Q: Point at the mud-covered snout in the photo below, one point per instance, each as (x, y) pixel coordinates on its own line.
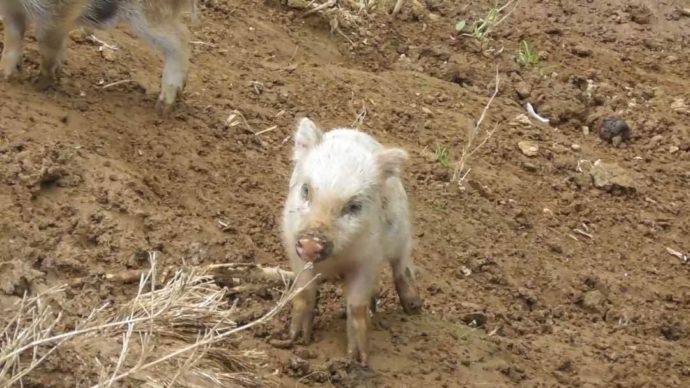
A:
(313, 246)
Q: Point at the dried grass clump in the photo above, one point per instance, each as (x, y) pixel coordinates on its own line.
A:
(32, 323)
(175, 334)
(350, 15)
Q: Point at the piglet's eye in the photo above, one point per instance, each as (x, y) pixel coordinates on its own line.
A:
(305, 192)
(352, 208)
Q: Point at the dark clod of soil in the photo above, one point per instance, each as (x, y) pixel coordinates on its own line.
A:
(613, 129)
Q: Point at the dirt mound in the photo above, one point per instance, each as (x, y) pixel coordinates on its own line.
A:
(548, 266)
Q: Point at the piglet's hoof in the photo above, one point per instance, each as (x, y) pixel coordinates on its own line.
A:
(44, 83)
(163, 109)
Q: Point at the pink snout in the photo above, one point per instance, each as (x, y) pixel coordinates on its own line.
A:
(313, 248)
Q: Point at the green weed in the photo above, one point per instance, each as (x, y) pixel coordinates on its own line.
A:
(442, 156)
(480, 28)
(527, 54)
(440, 204)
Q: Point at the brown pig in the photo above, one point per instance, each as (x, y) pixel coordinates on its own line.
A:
(156, 21)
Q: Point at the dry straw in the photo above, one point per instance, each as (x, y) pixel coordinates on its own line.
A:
(349, 14)
(188, 320)
(474, 135)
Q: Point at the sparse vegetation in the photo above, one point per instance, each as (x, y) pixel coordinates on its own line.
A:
(442, 156)
(481, 28)
(527, 55)
(461, 169)
(440, 204)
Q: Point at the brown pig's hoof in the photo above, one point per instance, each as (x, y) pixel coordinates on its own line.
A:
(412, 306)
(282, 344)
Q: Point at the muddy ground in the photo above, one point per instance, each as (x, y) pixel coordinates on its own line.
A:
(539, 270)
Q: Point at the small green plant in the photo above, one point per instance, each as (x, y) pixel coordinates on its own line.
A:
(527, 54)
(480, 28)
(440, 204)
(441, 155)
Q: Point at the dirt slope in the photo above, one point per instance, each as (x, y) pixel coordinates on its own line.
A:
(91, 180)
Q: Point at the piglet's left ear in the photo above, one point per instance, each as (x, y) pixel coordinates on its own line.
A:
(391, 161)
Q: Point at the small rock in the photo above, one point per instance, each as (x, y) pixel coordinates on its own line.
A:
(592, 281)
(617, 140)
(592, 300)
(613, 126)
(515, 373)
(640, 14)
(558, 148)
(565, 366)
(585, 130)
(575, 147)
(671, 332)
(108, 54)
(418, 10)
(305, 354)
(612, 178)
(584, 166)
(523, 90)
(679, 105)
(298, 4)
(434, 17)
(685, 12)
(384, 325)
(298, 367)
(655, 140)
(529, 167)
(283, 97)
(79, 35)
(555, 247)
(521, 119)
(673, 149)
(582, 51)
(529, 148)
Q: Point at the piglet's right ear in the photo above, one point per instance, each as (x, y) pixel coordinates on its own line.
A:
(307, 136)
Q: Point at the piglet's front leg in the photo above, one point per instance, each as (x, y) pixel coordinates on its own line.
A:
(357, 333)
(359, 290)
(302, 320)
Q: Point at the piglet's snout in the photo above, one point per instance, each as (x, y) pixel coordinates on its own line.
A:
(313, 249)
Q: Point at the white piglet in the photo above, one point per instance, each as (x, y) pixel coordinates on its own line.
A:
(347, 213)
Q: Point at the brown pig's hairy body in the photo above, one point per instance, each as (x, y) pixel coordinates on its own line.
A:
(156, 21)
(347, 213)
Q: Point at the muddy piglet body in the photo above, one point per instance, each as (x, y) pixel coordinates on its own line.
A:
(347, 213)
